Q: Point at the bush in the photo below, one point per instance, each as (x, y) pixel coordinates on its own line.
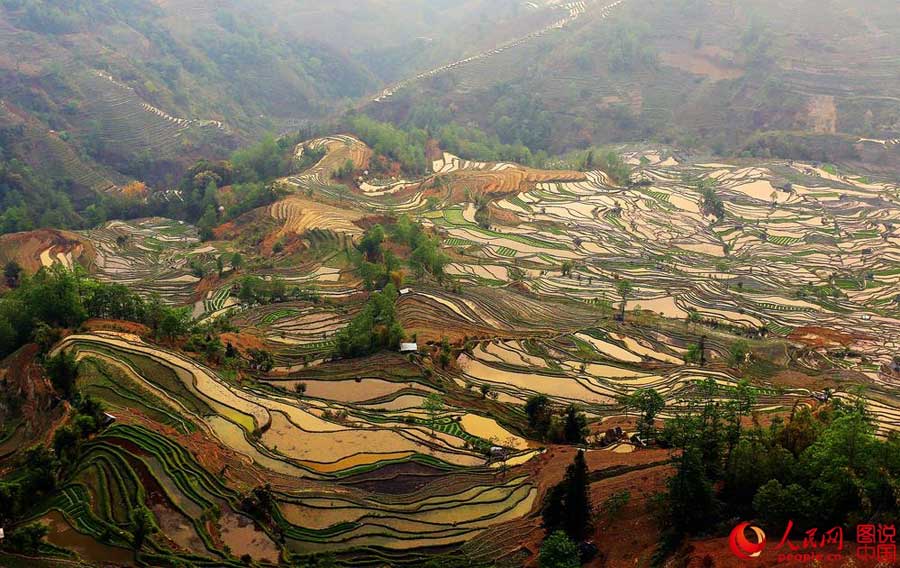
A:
(558, 551)
(27, 539)
(375, 328)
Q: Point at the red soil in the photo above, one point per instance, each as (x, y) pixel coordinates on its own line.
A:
(116, 325)
(820, 337)
(243, 342)
(503, 217)
(23, 378)
(631, 536)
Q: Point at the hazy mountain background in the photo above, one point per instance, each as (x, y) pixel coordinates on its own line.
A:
(95, 93)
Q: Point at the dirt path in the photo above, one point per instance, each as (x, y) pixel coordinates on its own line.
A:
(575, 11)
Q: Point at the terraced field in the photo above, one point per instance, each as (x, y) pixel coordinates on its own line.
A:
(346, 430)
(802, 264)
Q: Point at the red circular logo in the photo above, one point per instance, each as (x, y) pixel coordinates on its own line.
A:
(741, 545)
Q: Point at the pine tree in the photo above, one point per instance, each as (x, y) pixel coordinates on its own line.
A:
(576, 425)
(567, 506)
(578, 520)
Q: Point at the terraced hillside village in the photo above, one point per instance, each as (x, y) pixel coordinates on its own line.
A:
(380, 367)
(455, 284)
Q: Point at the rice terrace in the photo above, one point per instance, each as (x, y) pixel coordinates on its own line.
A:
(372, 342)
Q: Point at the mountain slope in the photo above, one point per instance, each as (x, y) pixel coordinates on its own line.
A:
(699, 72)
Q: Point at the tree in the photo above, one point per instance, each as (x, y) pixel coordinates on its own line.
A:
(12, 272)
(66, 442)
(776, 504)
(433, 405)
(142, 526)
(539, 413)
(579, 521)
(45, 336)
(624, 288)
(370, 245)
(693, 353)
(11, 501)
(558, 551)
(737, 353)
(567, 506)
(575, 428)
(55, 296)
(8, 337)
(691, 500)
(207, 223)
(27, 538)
(236, 261)
(626, 401)
(63, 371)
(175, 322)
(346, 170)
(261, 359)
(40, 470)
(649, 403)
(711, 203)
(374, 328)
(427, 257)
(261, 162)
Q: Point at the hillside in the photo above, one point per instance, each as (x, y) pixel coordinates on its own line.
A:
(263, 413)
(804, 80)
(136, 85)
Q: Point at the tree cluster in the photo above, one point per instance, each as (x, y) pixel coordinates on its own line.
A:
(822, 467)
(405, 146)
(710, 201)
(58, 298)
(376, 327)
(568, 426)
(378, 266)
(605, 160)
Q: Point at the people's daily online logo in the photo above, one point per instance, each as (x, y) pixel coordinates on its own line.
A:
(873, 542)
(742, 546)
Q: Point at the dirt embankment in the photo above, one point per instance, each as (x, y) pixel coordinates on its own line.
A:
(121, 326)
(33, 249)
(630, 538)
(820, 337)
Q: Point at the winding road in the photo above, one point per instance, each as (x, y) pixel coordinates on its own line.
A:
(575, 10)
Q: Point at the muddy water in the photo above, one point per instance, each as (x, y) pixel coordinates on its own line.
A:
(636, 347)
(489, 430)
(665, 306)
(233, 437)
(242, 536)
(63, 535)
(348, 391)
(563, 387)
(610, 349)
(178, 528)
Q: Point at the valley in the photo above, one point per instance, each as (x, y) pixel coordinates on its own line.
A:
(562, 283)
(448, 284)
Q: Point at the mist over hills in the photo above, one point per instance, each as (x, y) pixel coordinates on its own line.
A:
(448, 284)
